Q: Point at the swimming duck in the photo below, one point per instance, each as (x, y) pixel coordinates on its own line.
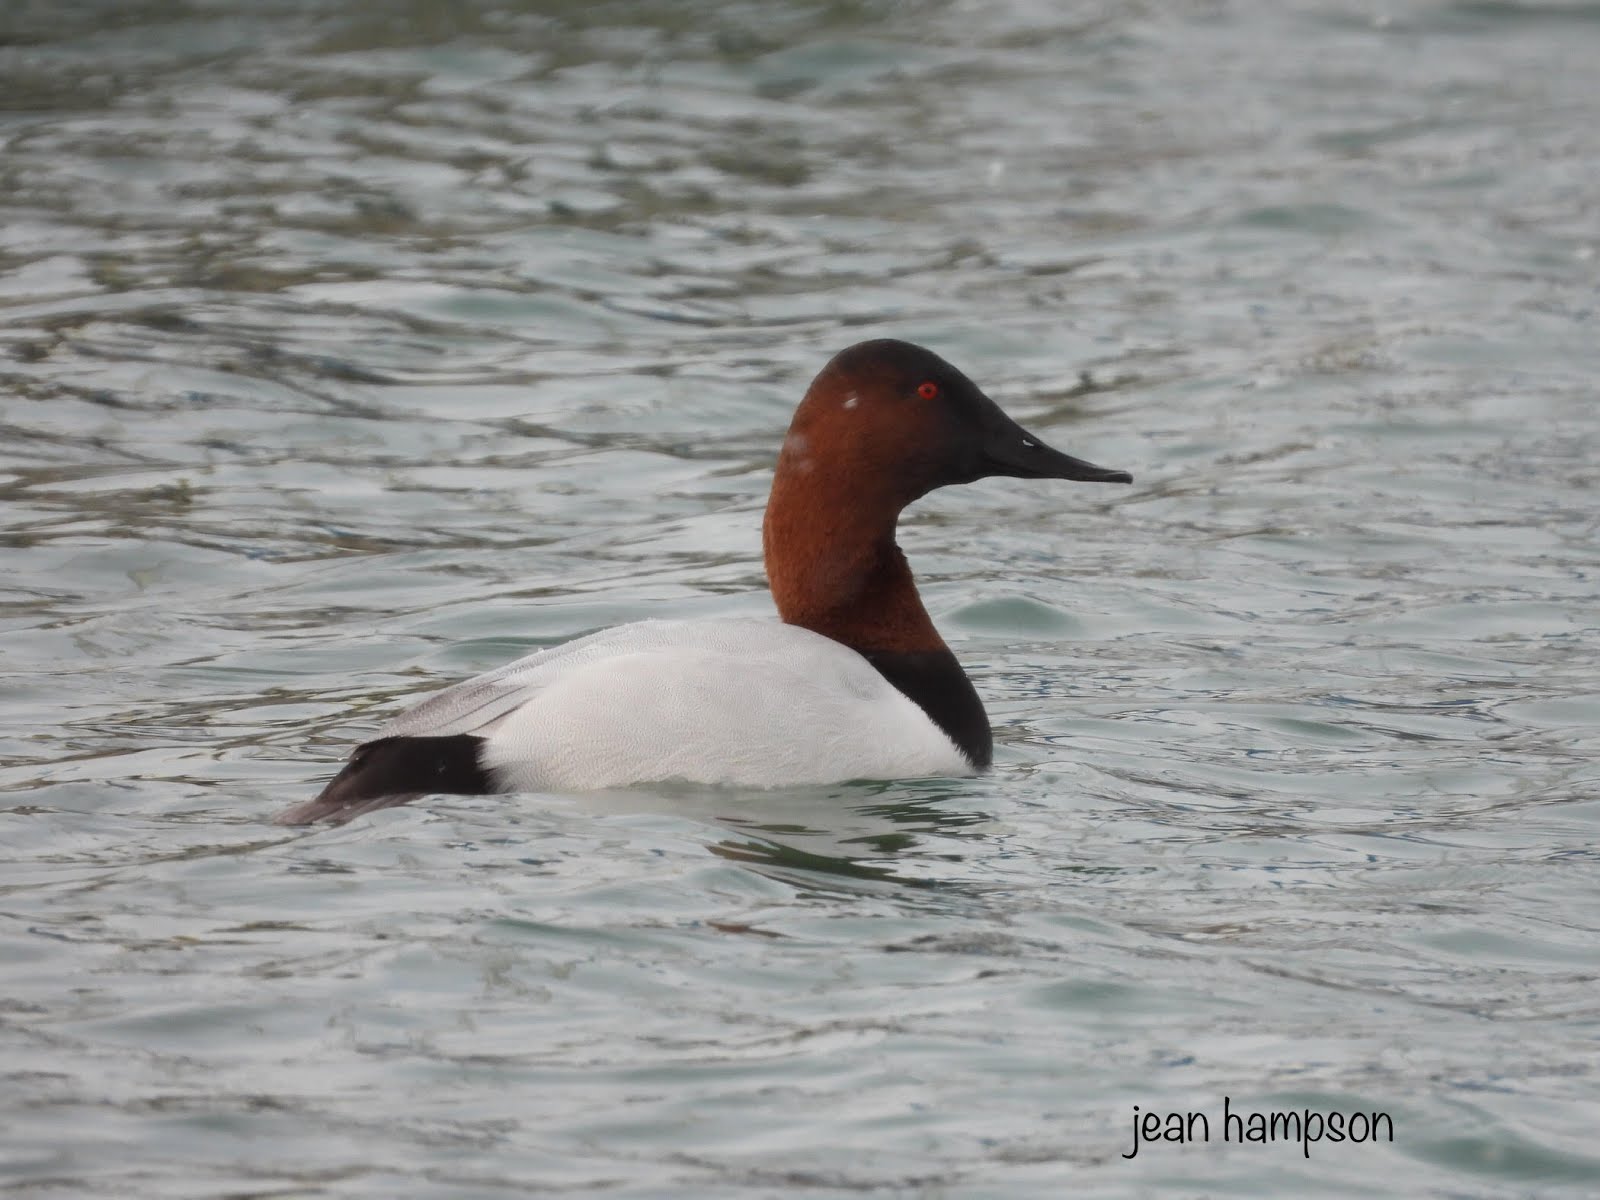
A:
(854, 681)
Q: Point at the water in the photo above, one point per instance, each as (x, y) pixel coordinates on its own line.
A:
(346, 350)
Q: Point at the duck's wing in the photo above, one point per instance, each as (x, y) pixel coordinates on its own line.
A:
(434, 746)
(475, 705)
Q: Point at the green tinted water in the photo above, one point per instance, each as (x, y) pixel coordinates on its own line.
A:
(346, 351)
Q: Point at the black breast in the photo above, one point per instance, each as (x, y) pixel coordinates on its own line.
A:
(938, 685)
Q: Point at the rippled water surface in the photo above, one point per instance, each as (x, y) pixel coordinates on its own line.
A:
(346, 349)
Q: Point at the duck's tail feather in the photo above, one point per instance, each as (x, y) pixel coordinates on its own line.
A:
(392, 771)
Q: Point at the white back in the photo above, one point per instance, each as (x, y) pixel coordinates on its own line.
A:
(741, 701)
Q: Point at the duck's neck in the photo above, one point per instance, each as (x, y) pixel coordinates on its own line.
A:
(835, 569)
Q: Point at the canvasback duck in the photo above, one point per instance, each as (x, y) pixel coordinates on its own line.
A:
(854, 683)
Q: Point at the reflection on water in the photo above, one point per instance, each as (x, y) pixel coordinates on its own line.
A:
(348, 350)
(886, 842)
(910, 833)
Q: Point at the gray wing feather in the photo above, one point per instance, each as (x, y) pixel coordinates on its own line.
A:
(474, 704)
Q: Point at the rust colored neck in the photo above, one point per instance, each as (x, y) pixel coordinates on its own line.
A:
(833, 563)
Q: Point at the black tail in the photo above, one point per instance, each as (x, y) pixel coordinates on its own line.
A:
(392, 771)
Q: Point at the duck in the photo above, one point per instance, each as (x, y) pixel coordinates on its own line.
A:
(851, 682)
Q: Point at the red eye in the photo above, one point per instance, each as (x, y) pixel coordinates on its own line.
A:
(928, 390)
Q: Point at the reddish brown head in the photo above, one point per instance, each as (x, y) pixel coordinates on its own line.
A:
(883, 424)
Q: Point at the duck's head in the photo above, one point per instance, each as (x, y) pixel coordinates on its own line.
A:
(890, 422)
